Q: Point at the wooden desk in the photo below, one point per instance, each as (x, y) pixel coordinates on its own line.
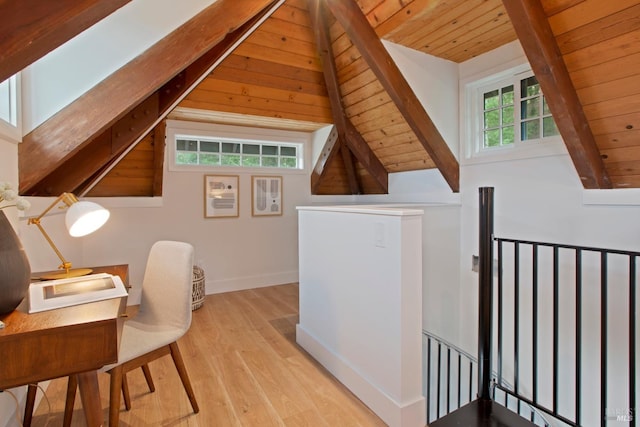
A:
(56, 343)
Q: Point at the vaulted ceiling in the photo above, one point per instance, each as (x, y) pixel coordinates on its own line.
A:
(307, 64)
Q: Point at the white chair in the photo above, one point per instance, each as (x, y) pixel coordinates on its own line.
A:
(163, 317)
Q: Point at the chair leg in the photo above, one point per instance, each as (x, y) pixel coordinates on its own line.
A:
(125, 392)
(114, 395)
(32, 389)
(184, 377)
(72, 386)
(147, 376)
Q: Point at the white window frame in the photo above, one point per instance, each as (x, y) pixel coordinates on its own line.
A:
(178, 129)
(472, 91)
(11, 126)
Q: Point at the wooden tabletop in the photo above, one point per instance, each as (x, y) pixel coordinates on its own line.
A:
(59, 342)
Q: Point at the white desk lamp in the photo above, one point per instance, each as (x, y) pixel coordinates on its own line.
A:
(82, 218)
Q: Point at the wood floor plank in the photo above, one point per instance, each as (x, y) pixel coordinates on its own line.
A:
(246, 370)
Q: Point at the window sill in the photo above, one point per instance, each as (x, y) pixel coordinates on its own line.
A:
(548, 148)
(612, 197)
(128, 202)
(226, 170)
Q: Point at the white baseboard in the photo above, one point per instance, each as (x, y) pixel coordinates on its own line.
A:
(216, 286)
(407, 414)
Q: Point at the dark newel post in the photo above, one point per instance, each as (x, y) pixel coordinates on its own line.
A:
(485, 299)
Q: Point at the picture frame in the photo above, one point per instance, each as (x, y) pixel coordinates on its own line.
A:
(52, 294)
(221, 196)
(266, 195)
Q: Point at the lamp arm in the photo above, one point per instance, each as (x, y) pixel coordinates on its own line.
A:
(67, 198)
(66, 265)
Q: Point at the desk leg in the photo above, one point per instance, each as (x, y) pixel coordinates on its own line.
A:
(90, 395)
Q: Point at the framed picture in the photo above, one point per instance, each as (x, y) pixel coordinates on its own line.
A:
(59, 293)
(266, 195)
(221, 196)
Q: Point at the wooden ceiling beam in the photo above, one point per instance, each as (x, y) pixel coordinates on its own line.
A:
(350, 168)
(346, 130)
(328, 153)
(71, 129)
(32, 28)
(364, 37)
(129, 130)
(536, 37)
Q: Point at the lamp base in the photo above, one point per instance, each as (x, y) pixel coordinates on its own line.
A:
(74, 272)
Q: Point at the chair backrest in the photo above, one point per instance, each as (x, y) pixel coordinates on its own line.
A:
(167, 285)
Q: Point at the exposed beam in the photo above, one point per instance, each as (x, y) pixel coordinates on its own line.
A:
(323, 44)
(539, 43)
(72, 128)
(350, 169)
(346, 131)
(131, 129)
(32, 28)
(159, 145)
(363, 36)
(328, 153)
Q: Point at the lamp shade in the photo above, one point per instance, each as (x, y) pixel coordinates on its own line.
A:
(85, 217)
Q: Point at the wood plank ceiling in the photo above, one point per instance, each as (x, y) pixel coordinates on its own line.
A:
(275, 78)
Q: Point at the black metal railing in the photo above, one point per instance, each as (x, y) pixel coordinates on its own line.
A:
(451, 381)
(561, 287)
(565, 328)
(451, 375)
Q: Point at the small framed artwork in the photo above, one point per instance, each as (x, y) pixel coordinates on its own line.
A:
(221, 196)
(266, 195)
(59, 293)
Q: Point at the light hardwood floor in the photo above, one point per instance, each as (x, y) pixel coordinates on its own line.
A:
(246, 370)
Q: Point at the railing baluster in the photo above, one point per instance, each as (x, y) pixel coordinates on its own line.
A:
(500, 283)
(470, 381)
(448, 378)
(459, 378)
(632, 339)
(556, 302)
(516, 315)
(603, 338)
(438, 383)
(578, 408)
(535, 322)
(428, 377)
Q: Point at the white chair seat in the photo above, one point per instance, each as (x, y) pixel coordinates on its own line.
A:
(140, 338)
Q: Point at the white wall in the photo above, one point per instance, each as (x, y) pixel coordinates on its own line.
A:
(434, 81)
(360, 304)
(235, 253)
(64, 74)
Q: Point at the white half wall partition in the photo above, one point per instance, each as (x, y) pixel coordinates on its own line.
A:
(360, 271)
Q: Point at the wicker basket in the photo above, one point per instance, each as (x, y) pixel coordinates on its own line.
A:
(197, 297)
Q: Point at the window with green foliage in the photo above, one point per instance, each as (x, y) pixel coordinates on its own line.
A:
(10, 120)
(498, 117)
(515, 111)
(222, 152)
